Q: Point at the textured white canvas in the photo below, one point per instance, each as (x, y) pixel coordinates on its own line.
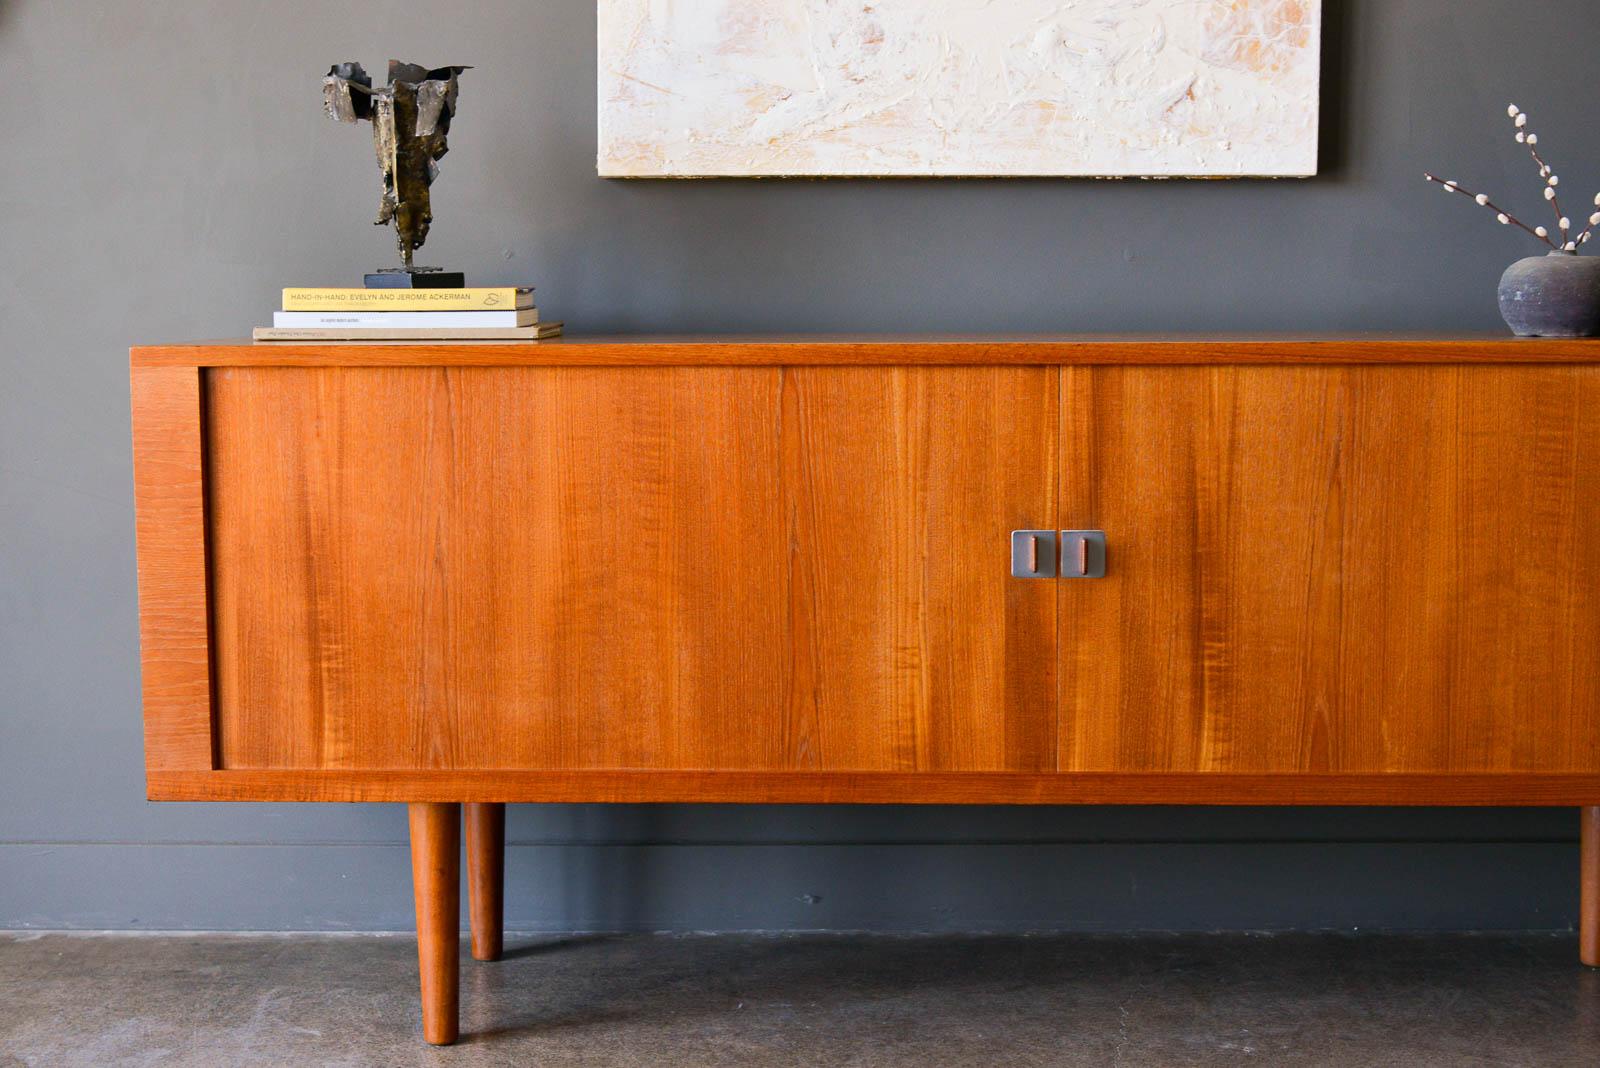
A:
(958, 87)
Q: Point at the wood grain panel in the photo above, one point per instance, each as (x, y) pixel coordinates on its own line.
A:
(887, 350)
(913, 646)
(429, 568)
(885, 787)
(170, 528)
(1386, 569)
(671, 568)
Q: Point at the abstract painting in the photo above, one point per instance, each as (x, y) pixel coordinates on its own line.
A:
(691, 88)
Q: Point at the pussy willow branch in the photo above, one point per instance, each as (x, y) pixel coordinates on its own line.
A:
(1454, 188)
(1567, 240)
(1588, 231)
(1546, 172)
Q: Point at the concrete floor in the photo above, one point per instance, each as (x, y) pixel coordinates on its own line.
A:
(235, 1000)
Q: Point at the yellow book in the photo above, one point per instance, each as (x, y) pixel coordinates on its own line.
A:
(333, 299)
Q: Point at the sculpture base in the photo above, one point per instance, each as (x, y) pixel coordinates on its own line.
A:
(415, 278)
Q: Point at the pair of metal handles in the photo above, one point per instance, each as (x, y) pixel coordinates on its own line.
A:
(1048, 554)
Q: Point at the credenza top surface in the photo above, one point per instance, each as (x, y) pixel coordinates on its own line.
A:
(884, 349)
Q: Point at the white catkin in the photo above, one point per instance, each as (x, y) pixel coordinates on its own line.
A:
(1541, 231)
(1505, 220)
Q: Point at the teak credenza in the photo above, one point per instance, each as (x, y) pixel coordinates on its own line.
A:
(1336, 571)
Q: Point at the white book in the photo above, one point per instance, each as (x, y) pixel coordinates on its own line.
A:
(371, 333)
(403, 320)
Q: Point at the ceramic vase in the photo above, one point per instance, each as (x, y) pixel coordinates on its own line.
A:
(1555, 295)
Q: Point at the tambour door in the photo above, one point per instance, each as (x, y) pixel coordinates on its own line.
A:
(914, 649)
(491, 568)
(1361, 569)
(654, 568)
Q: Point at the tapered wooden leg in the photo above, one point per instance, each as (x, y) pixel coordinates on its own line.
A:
(436, 882)
(486, 877)
(1589, 892)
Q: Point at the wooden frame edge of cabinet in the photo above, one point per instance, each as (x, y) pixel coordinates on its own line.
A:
(943, 788)
(881, 350)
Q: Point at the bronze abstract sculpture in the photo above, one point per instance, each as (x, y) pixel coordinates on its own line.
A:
(410, 120)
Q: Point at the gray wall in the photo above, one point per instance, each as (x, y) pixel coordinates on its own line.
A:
(166, 168)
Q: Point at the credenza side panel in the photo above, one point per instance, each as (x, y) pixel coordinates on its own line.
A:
(654, 568)
(170, 527)
(1342, 569)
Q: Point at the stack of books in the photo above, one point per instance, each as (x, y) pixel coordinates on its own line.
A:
(504, 313)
